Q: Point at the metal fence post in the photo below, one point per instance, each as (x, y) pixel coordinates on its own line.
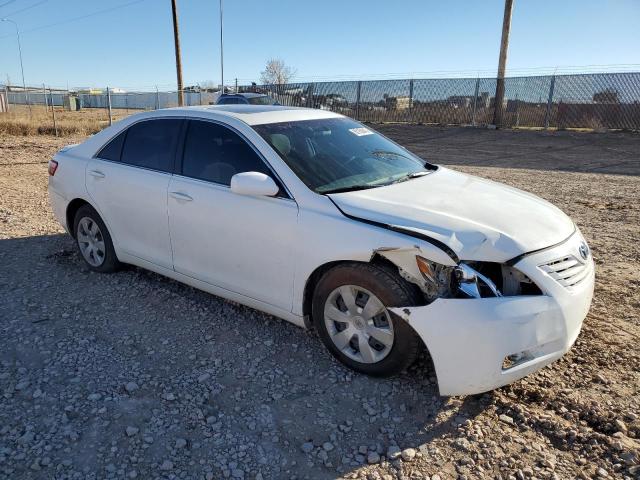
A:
(310, 90)
(6, 95)
(109, 104)
(547, 115)
(358, 89)
(411, 101)
(53, 112)
(475, 102)
(157, 99)
(44, 98)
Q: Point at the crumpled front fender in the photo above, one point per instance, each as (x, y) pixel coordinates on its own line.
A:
(469, 339)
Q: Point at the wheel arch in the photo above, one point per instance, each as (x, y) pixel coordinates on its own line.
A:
(377, 260)
(316, 275)
(72, 208)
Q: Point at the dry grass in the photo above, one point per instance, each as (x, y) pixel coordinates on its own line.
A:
(19, 121)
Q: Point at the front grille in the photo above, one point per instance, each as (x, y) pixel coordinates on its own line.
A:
(567, 271)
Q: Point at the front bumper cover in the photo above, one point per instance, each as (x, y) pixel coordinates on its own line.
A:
(469, 339)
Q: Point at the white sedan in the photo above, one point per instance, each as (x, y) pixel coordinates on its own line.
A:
(317, 219)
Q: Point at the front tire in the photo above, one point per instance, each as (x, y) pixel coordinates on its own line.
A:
(350, 314)
(94, 241)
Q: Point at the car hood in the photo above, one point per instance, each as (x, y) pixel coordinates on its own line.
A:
(477, 218)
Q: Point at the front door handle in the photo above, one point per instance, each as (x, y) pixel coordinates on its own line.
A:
(181, 196)
(96, 173)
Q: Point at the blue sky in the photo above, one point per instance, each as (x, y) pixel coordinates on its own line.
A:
(132, 46)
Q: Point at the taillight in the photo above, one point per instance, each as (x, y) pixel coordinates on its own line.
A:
(53, 166)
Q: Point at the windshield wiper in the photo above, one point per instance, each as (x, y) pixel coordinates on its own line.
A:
(409, 176)
(350, 188)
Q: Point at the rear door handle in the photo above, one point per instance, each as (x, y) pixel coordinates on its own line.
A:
(181, 196)
(96, 173)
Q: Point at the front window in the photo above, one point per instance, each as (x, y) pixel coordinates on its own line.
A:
(339, 154)
(263, 100)
(214, 153)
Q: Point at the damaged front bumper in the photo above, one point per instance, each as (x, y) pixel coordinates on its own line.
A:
(481, 344)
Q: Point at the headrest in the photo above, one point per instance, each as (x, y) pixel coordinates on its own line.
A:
(281, 142)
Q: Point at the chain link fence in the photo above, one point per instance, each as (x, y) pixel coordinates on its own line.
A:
(588, 101)
(102, 98)
(592, 101)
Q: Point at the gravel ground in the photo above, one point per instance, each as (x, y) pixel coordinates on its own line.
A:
(132, 375)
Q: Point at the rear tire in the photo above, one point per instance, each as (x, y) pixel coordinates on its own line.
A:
(350, 313)
(94, 241)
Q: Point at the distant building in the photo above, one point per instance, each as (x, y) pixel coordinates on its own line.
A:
(397, 103)
(90, 91)
(460, 101)
(466, 101)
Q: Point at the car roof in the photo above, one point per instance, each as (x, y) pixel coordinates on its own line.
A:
(245, 95)
(254, 114)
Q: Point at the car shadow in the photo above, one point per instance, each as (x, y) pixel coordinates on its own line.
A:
(221, 374)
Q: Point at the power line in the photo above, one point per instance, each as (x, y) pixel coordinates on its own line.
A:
(471, 73)
(81, 17)
(25, 8)
(7, 3)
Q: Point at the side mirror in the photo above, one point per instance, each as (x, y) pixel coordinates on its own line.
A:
(254, 183)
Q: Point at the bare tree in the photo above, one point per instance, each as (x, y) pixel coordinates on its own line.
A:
(276, 72)
(209, 86)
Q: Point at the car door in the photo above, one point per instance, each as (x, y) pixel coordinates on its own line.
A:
(128, 182)
(238, 242)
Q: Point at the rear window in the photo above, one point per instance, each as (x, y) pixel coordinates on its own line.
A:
(228, 101)
(263, 100)
(152, 144)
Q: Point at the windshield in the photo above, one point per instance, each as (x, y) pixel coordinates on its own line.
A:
(263, 100)
(339, 154)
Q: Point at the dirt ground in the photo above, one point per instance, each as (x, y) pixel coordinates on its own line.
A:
(132, 375)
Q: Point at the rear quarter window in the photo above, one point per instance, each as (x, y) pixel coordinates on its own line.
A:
(113, 149)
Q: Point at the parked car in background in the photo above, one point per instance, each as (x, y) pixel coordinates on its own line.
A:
(315, 218)
(245, 99)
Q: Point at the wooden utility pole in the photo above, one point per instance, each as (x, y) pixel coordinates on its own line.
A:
(221, 50)
(502, 63)
(176, 38)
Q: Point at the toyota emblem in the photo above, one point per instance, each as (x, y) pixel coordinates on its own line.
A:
(584, 250)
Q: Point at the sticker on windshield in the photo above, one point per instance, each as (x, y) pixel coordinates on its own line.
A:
(361, 131)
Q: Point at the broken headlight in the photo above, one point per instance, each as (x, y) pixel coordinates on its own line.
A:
(490, 279)
(437, 279)
(472, 280)
(474, 284)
